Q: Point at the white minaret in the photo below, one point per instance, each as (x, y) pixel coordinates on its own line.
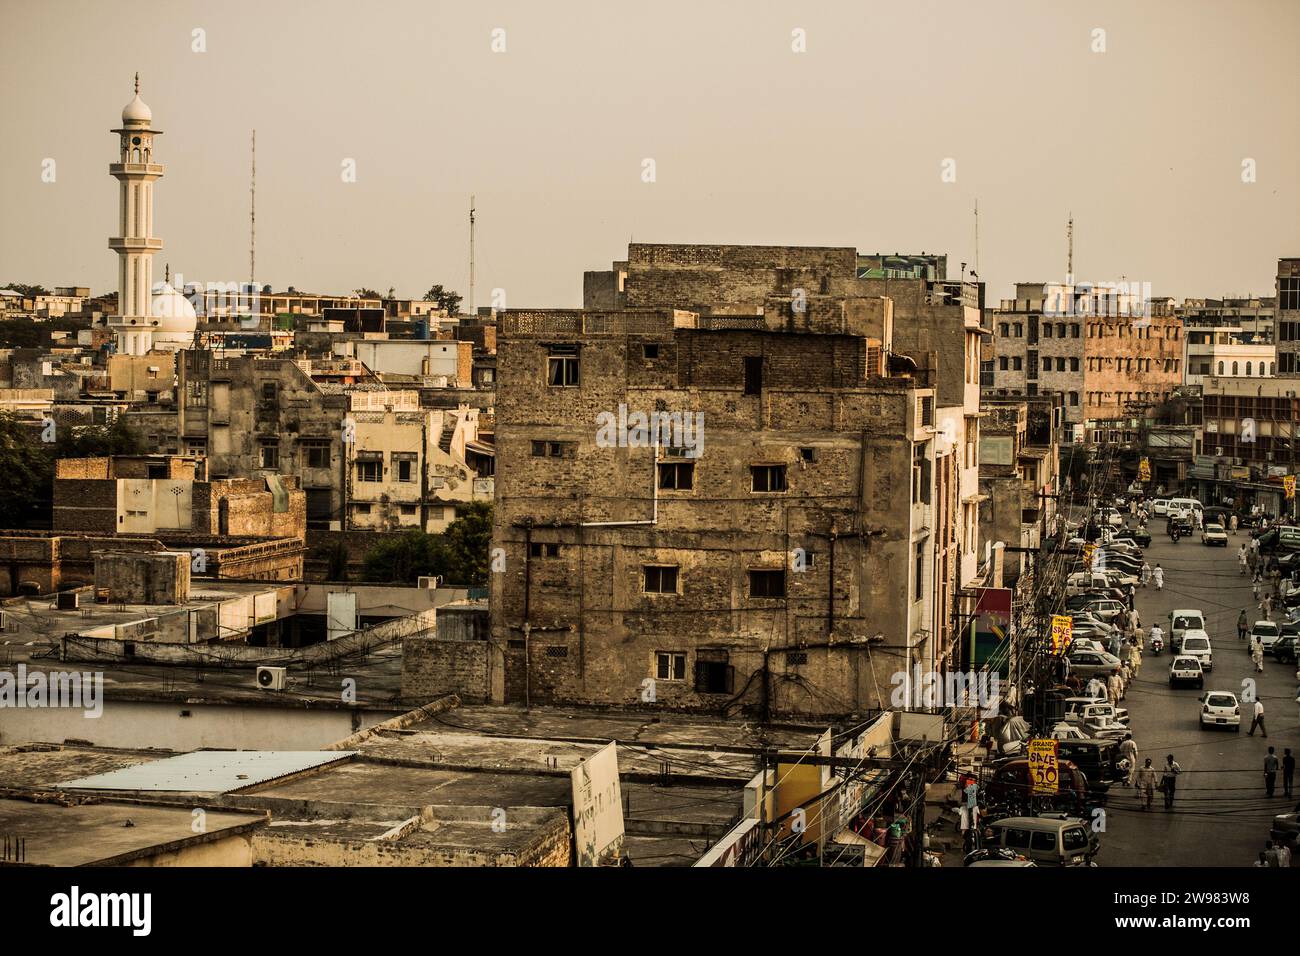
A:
(135, 244)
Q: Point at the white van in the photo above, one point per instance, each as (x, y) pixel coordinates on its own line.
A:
(1160, 506)
(1083, 581)
(1184, 507)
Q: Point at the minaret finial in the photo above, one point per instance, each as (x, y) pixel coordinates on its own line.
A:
(167, 273)
(137, 83)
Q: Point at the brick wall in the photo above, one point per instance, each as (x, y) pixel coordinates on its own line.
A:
(433, 667)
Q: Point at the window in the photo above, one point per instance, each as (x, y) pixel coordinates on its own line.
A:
(1234, 368)
(670, 665)
(1003, 363)
(1018, 363)
(1047, 330)
(659, 579)
(918, 570)
(650, 351)
(753, 374)
(370, 466)
(927, 410)
(764, 583)
(362, 509)
(543, 549)
(1288, 293)
(270, 454)
(807, 454)
(1248, 364)
(1074, 839)
(676, 476)
(1003, 329)
(767, 478)
(1074, 399)
(269, 391)
(1043, 840)
(316, 454)
(1074, 365)
(1074, 330)
(1220, 367)
(562, 366)
(1020, 329)
(408, 509)
(404, 463)
(553, 449)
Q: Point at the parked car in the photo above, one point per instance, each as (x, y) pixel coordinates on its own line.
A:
(1140, 537)
(1186, 670)
(1089, 664)
(1106, 608)
(1160, 507)
(996, 856)
(1196, 643)
(1010, 790)
(1048, 840)
(1214, 536)
(1267, 632)
(1219, 708)
(1087, 710)
(1098, 758)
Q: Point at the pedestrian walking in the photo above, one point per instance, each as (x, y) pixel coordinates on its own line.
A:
(1169, 780)
(1258, 721)
(1232, 524)
(1270, 772)
(1146, 784)
(1115, 685)
(1158, 574)
(1267, 607)
(1243, 561)
(1257, 655)
(1243, 625)
(1288, 772)
(1254, 589)
(1128, 750)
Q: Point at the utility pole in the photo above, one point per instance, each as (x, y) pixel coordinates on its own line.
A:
(1069, 252)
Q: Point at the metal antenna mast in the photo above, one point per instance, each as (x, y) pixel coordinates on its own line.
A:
(1069, 250)
(252, 219)
(472, 309)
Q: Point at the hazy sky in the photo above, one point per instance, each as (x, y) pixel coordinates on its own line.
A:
(752, 142)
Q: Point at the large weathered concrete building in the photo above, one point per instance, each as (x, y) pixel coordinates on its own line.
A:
(1102, 350)
(774, 552)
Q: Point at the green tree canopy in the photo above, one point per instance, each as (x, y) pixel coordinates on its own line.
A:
(459, 555)
(446, 299)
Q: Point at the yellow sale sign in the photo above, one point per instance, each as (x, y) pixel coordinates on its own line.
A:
(1062, 633)
(1289, 484)
(1044, 773)
(1144, 470)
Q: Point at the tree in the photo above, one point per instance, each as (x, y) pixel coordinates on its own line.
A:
(26, 475)
(459, 555)
(98, 441)
(25, 290)
(364, 293)
(446, 299)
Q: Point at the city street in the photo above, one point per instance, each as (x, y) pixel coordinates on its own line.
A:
(1221, 815)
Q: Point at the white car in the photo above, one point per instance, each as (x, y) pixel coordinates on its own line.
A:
(1266, 632)
(1219, 708)
(1196, 643)
(1064, 731)
(1100, 706)
(1184, 619)
(1214, 536)
(1186, 670)
(1160, 506)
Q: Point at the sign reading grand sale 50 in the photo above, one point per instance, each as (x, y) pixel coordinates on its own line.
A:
(1043, 770)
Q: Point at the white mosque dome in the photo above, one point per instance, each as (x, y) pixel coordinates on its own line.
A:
(136, 113)
(172, 312)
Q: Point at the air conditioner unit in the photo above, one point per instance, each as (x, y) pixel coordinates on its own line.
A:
(429, 582)
(272, 678)
(1218, 451)
(336, 525)
(68, 600)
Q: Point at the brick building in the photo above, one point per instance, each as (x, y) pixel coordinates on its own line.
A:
(1101, 350)
(780, 559)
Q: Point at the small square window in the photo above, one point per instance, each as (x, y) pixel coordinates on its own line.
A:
(676, 476)
(543, 549)
(659, 579)
(670, 666)
(650, 351)
(766, 583)
(807, 454)
(767, 478)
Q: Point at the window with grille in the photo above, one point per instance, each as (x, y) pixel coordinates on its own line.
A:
(404, 463)
(270, 454)
(543, 549)
(316, 454)
(557, 650)
(370, 468)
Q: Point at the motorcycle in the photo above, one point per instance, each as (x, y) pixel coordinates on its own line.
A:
(1173, 535)
(1157, 644)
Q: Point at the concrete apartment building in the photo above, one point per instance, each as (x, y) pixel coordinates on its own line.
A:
(1288, 317)
(1093, 346)
(930, 315)
(1228, 337)
(780, 560)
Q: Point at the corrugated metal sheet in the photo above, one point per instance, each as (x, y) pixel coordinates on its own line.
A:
(211, 771)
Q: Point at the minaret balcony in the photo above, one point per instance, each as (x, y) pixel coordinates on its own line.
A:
(123, 170)
(134, 244)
